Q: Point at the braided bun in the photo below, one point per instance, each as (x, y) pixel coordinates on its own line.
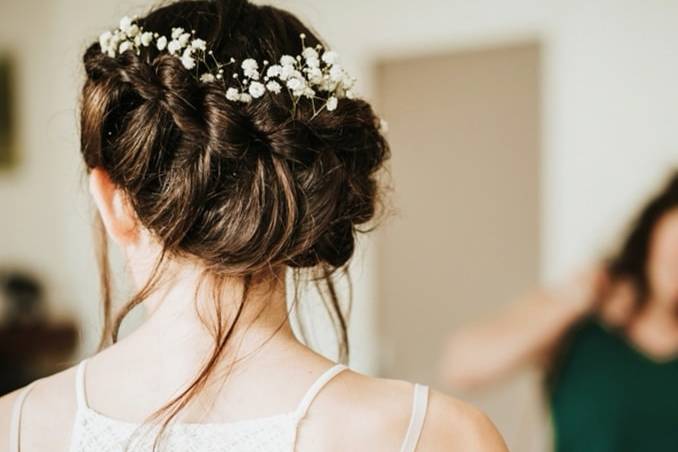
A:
(242, 187)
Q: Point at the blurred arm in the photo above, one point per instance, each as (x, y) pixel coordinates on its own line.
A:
(524, 334)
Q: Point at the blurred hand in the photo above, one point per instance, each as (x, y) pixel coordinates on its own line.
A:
(584, 290)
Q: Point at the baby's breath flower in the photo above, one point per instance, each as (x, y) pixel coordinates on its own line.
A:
(173, 47)
(124, 46)
(105, 40)
(332, 103)
(125, 24)
(304, 75)
(313, 62)
(133, 31)
(288, 72)
(287, 60)
(250, 68)
(308, 92)
(273, 71)
(336, 73)
(199, 44)
(187, 59)
(232, 94)
(315, 76)
(146, 38)
(161, 43)
(249, 64)
(330, 57)
(183, 39)
(309, 53)
(257, 90)
(274, 87)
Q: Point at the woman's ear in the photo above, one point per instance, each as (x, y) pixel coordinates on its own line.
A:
(116, 212)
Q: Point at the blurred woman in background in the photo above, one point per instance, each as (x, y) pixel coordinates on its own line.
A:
(607, 343)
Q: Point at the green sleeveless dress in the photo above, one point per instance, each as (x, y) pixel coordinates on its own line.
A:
(609, 397)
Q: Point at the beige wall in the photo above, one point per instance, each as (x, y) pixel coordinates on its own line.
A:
(465, 237)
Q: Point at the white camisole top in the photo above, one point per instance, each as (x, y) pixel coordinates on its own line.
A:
(95, 432)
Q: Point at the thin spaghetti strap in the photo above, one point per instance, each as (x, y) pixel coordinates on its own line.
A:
(15, 423)
(80, 393)
(419, 406)
(315, 388)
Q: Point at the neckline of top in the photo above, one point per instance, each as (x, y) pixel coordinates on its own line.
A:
(637, 350)
(297, 413)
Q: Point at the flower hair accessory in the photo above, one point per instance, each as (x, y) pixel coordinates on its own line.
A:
(315, 71)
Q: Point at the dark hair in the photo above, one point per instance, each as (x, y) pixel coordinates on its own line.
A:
(243, 188)
(628, 263)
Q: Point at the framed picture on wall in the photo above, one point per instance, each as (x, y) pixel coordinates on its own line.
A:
(7, 114)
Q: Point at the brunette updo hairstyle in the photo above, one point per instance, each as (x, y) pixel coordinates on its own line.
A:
(242, 188)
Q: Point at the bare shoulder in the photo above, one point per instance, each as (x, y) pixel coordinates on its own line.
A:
(452, 425)
(375, 414)
(47, 413)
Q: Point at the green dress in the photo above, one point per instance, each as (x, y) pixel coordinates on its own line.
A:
(609, 397)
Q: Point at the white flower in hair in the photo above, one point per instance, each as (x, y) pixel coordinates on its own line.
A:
(287, 60)
(295, 84)
(330, 57)
(336, 73)
(273, 71)
(274, 87)
(133, 31)
(125, 24)
(287, 72)
(257, 89)
(232, 94)
(308, 92)
(161, 43)
(124, 46)
(308, 75)
(310, 53)
(105, 40)
(313, 62)
(173, 47)
(199, 44)
(183, 39)
(250, 68)
(187, 59)
(249, 64)
(146, 38)
(315, 76)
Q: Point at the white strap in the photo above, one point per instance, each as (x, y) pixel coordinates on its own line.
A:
(315, 388)
(419, 406)
(15, 424)
(80, 393)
